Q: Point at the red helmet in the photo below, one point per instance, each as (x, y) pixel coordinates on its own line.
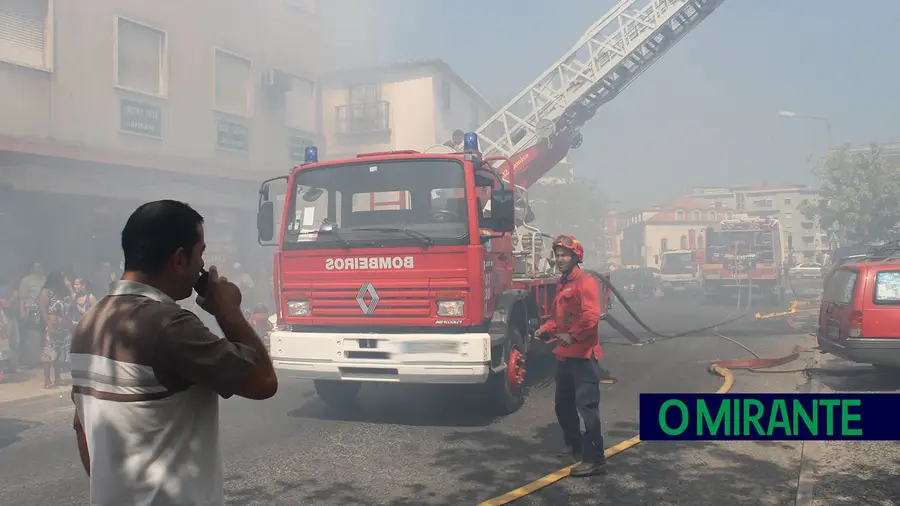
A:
(570, 243)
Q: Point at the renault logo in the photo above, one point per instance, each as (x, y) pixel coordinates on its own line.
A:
(367, 290)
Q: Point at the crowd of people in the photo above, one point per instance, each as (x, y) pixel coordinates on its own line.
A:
(38, 313)
(39, 310)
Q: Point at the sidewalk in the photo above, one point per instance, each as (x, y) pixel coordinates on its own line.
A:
(855, 472)
(29, 384)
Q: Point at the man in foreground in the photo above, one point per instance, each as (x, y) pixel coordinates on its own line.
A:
(574, 324)
(147, 374)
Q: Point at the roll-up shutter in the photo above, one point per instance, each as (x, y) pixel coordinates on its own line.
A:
(22, 31)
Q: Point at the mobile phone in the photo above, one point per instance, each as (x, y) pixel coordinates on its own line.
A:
(202, 283)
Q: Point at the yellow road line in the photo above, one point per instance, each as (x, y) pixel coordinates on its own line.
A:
(556, 476)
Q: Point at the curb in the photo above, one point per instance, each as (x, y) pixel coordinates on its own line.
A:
(24, 401)
(809, 454)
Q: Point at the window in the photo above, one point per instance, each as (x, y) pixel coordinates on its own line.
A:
(233, 91)
(684, 242)
(787, 202)
(364, 94)
(445, 95)
(700, 242)
(26, 33)
(140, 58)
(840, 288)
(697, 215)
(711, 216)
(788, 216)
(300, 105)
(389, 203)
(887, 288)
(663, 246)
(679, 215)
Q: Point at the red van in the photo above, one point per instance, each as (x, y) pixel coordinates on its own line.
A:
(859, 319)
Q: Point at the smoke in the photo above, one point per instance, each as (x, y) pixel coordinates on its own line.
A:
(356, 33)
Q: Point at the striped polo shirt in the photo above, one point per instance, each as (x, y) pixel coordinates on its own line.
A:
(146, 380)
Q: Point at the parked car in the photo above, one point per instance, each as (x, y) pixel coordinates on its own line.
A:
(806, 270)
(852, 259)
(634, 283)
(859, 317)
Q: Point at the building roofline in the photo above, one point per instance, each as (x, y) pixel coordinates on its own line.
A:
(434, 63)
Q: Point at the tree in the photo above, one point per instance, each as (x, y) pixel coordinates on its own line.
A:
(860, 192)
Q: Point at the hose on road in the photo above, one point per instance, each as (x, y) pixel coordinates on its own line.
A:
(721, 368)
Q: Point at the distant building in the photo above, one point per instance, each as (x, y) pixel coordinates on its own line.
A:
(106, 104)
(405, 105)
(678, 225)
(782, 202)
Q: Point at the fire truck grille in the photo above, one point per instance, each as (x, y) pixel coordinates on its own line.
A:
(370, 301)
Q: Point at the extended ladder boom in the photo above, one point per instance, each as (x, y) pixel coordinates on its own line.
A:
(537, 128)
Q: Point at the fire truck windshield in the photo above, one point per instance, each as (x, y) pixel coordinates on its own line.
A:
(739, 242)
(378, 203)
(677, 263)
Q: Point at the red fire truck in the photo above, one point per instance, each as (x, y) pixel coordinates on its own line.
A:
(744, 254)
(416, 267)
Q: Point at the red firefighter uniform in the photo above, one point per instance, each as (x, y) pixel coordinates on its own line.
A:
(576, 311)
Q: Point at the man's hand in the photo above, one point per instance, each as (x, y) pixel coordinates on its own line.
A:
(222, 296)
(565, 338)
(540, 334)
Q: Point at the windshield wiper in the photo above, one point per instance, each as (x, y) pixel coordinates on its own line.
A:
(340, 239)
(427, 241)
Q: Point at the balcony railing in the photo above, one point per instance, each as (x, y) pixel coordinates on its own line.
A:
(366, 117)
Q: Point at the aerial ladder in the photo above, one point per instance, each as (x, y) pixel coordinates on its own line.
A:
(538, 127)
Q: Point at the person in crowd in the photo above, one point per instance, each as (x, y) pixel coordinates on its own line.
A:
(9, 313)
(148, 427)
(54, 304)
(31, 328)
(82, 299)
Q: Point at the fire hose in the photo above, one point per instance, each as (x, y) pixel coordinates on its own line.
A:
(721, 368)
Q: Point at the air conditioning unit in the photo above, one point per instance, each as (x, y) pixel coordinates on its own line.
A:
(277, 82)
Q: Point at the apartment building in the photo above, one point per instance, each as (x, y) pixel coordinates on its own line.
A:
(679, 225)
(405, 105)
(783, 202)
(107, 103)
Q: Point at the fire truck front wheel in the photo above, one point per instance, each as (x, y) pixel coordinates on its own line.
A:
(337, 393)
(507, 387)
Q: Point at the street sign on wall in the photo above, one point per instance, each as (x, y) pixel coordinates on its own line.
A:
(834, 236)
(140, 118)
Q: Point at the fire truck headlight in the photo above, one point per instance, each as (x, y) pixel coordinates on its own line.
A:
(298, 308)
(450, 307)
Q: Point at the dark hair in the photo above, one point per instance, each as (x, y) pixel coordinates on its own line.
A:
(55, 281)
(155, 231)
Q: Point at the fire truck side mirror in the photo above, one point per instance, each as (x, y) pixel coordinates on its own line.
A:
(503, 211)
(265, 221)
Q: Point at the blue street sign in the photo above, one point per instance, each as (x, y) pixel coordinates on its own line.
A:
(833, 236)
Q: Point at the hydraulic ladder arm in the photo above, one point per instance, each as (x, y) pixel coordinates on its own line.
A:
(536, 129)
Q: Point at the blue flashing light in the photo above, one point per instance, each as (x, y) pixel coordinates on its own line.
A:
(470, 142)
(311, 154)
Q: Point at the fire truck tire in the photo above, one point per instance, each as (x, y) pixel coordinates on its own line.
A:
(507, 395)
(337, 394)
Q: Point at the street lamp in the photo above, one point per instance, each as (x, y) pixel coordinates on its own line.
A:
(826, 121)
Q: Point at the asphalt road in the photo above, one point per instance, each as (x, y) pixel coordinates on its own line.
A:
(405, 445)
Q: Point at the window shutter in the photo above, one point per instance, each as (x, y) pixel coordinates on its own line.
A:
(22, 24)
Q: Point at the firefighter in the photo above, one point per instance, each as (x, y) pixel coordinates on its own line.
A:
(573, 325)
